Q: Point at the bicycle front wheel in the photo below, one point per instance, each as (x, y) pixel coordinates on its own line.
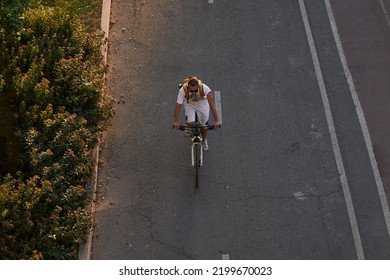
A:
(197, 164)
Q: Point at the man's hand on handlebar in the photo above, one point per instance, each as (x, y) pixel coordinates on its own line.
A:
(176, 125)
(217, 124)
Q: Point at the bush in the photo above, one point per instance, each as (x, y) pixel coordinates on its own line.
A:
(37, 223)
(10, 28)
(19, 203)
(57, 81)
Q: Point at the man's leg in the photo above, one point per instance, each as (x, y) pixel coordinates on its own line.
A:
(190, 119)
(189, 111)
(204, 134)
(203, 118)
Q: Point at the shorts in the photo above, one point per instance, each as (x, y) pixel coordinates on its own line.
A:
(203, 115)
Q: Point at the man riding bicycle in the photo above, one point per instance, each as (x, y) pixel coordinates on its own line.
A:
(197, 99)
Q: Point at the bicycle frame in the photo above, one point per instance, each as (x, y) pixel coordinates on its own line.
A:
(196, 132)
(196, 146)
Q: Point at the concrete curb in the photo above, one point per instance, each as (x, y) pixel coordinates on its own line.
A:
(105, 26)
(85, 250)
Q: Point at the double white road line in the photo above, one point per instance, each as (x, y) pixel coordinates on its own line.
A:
(329, 118)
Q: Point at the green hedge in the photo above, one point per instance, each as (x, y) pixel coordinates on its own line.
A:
(56, 78)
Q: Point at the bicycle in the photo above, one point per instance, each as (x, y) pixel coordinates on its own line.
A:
(196, 146)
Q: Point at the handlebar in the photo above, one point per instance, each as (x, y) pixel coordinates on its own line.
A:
(209, 127)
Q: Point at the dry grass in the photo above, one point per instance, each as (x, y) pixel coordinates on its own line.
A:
(90, 14)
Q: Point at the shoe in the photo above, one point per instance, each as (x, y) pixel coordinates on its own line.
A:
(205, 146)
(187, 132)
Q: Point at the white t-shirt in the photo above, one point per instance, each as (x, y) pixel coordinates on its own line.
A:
(195, 99)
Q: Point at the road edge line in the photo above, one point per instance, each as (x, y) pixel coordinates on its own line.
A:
(332, 131)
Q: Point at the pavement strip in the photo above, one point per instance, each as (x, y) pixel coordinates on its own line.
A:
(85, 249)
(218, 104)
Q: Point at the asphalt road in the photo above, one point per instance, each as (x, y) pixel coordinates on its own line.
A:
(271, 186)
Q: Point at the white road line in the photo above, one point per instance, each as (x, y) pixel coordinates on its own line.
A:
(385, 12)
(218, 104)
(225, 256)
(362, 120)
(332, 130)
(211, 1)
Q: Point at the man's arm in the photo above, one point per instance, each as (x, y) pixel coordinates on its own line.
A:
(176, 116)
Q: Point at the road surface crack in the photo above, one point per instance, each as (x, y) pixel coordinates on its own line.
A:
(177, 251)
(295, 196)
